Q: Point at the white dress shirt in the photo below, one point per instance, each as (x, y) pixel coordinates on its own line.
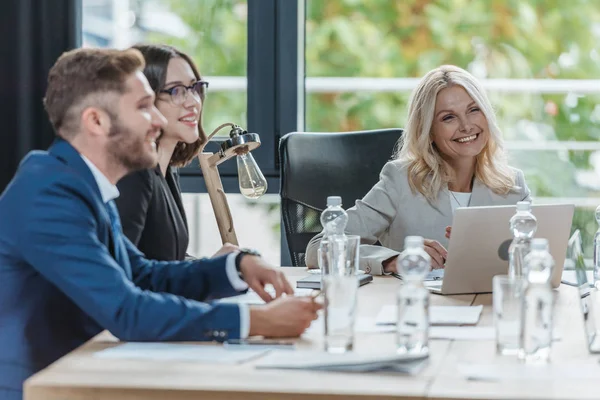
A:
(109, 192)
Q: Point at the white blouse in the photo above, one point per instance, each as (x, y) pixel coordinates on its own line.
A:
(459, 199)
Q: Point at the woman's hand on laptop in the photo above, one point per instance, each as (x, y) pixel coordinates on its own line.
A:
(448, 231)
(437, 252)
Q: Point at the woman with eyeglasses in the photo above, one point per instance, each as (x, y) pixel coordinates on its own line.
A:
(150, 205)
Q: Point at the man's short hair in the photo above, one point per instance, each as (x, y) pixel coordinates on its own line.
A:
(85, 77)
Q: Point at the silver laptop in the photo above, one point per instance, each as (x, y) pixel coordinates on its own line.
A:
(588, 295)
(478, 247)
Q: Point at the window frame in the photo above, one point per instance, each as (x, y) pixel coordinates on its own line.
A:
(275, 90)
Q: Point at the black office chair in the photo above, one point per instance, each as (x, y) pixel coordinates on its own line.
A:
(317, 165)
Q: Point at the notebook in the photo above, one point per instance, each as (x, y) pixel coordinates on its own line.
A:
(314, 281)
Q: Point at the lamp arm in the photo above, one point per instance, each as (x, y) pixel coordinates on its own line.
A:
(218, 199)
(231, 236)
(215, 132)
(240, 142)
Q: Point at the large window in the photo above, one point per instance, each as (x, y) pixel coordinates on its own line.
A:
(538, 60)
(214, 33)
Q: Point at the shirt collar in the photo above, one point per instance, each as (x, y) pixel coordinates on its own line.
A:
(107, 190)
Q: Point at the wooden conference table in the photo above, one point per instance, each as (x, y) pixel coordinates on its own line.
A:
(80, 375)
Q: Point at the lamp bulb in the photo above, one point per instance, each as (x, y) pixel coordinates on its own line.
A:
(252, 182)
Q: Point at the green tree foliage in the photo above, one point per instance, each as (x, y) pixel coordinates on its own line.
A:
(218, 45)
(526, 39)
(541, 39)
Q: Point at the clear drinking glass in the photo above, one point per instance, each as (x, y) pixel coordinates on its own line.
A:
(340, 289)
(507, 298)
(322, 254)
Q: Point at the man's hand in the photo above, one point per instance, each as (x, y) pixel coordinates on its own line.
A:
(285, 317)
(257, 273)
(226, 249)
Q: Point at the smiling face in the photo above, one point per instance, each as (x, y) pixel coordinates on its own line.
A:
(182, 119)
(460, 130)
(134, 130)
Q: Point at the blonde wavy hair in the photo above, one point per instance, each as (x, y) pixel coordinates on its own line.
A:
(427, 171)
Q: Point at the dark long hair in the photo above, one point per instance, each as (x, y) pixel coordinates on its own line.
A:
(157, 59)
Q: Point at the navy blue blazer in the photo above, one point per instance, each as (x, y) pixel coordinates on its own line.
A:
(60, 286)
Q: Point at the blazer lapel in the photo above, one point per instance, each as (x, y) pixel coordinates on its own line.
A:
(160, 178)
(443, 203)
(480, 195)
(65, 152)
(172, 181)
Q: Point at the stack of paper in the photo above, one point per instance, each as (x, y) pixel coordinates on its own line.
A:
(438, 315)
(462, 332)
(348, 362)
(361, 325)
(179, 352)
(252, 298)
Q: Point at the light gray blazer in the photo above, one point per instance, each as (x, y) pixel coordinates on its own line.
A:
(391, 211)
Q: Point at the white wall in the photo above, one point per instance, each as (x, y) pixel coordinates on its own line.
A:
(254, 225)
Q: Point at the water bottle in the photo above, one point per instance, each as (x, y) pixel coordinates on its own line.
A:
(334, 220)
(523, 226)
(412, 325)
(536, 324)
(597, 252)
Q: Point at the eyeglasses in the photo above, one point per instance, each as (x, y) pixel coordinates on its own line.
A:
(179, 93)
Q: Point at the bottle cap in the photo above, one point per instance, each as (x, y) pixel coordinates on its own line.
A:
(413, 241)
(524, 206)
(334, 201)
(539, 244)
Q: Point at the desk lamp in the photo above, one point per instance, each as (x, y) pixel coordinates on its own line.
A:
(252, 182)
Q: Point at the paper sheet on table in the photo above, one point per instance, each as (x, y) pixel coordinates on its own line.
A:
(179, 352)
(438, 315)
(433, 284)
(434, 275)
(361, 325)
(251, 297)
(524, 372)
(468, 333)
(462, 332)
(349, 362)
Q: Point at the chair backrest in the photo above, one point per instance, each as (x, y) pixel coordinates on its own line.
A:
(316, 165)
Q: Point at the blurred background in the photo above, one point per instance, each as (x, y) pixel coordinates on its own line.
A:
(358, 62)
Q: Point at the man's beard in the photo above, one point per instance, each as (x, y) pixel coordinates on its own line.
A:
(127, 149)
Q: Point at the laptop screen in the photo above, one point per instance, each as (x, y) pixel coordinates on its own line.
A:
(588, 295)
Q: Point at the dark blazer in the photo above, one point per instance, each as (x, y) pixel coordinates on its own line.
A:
(60, 286)
(152, 214)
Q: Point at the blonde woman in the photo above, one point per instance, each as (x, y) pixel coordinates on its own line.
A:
(451, 156)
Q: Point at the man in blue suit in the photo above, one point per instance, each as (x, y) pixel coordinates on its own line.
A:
(66, 270)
